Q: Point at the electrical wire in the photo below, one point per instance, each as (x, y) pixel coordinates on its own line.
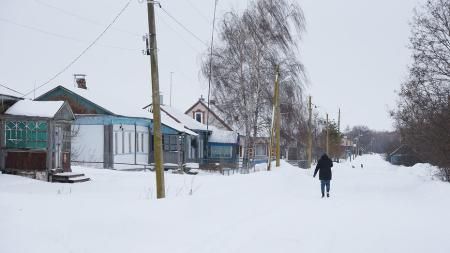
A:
(190, 3)
(85, 19)
(183, 26)
(84, 51)
(210, 62)
(11, 89)
(177, 33)
(62, 36)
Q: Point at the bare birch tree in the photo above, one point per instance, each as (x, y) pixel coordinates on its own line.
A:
(243, 64)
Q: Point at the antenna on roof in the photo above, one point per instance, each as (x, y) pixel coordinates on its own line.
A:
(80, 81)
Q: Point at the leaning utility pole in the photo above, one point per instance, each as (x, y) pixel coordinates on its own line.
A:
(160, 191)
(327, 138)
(277, 117)
(309, 149)
(274, 124)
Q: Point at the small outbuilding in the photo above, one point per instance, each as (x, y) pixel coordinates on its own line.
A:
(403, 155)
(36, 138)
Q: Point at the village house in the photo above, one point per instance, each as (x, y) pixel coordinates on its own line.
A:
(258, 152)
(195, 148)
(104, 139)
(216, 145)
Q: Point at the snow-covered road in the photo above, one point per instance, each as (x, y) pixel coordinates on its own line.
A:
(378, 208)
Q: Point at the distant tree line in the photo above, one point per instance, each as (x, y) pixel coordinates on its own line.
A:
(372, 141)
(423, 115)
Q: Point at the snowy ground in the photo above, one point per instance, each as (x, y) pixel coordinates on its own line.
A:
(378, 208)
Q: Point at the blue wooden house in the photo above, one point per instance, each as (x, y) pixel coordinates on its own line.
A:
(104, 139)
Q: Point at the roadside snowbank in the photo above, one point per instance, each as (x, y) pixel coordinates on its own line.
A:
(377, 208)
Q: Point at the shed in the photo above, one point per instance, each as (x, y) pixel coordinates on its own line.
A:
(35, 138)
(403, 155)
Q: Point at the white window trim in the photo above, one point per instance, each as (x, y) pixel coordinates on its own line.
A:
(201, 116)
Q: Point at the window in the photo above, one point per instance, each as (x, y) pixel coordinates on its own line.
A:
(137, 143)
(221, 151)
(116, 144)
(260, 150)
(26, 134)
(199, 116)
(142, 142)
(200, 148)
(129, 143)
(170, 142)
(250, 152)
(123, 142)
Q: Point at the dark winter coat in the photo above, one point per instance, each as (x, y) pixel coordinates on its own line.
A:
(324, 167)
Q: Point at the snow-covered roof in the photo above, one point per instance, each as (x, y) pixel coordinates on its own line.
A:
(44, 109)
(86, 94)
(223, 136)
(165, 120)
(168, 121)
(116, 109)
(183, 118)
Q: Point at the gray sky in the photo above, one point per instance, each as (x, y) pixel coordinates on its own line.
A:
(355, 51)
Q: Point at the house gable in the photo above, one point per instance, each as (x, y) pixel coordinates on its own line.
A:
(65, 113)
(214, 119)
(79, 104)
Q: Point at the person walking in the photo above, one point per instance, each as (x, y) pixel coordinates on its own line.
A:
(324, 167)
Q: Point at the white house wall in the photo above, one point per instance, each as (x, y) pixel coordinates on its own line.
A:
(124, 144)
(87, 144)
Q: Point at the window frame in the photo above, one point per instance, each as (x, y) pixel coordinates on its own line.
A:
(201, 116)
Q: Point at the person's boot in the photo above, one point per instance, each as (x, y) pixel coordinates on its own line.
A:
(323, 195)
(328, 194)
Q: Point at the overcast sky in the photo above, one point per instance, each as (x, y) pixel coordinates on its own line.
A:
(355, 51)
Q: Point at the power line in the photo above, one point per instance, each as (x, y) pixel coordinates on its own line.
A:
(11, 89)
(38, 29)
(62, 36)
(84, 51)
(85, 19)
(190, 3)
(184, 27)
(178, 34)
(210, 61)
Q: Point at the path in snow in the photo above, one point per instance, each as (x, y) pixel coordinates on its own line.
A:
(378, 208)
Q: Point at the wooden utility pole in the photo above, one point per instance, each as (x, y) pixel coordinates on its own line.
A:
(157, 146)
(277, 117)
(309, 149)
(327, 137)
(269, 160)
(339, 121)
(273, 128)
